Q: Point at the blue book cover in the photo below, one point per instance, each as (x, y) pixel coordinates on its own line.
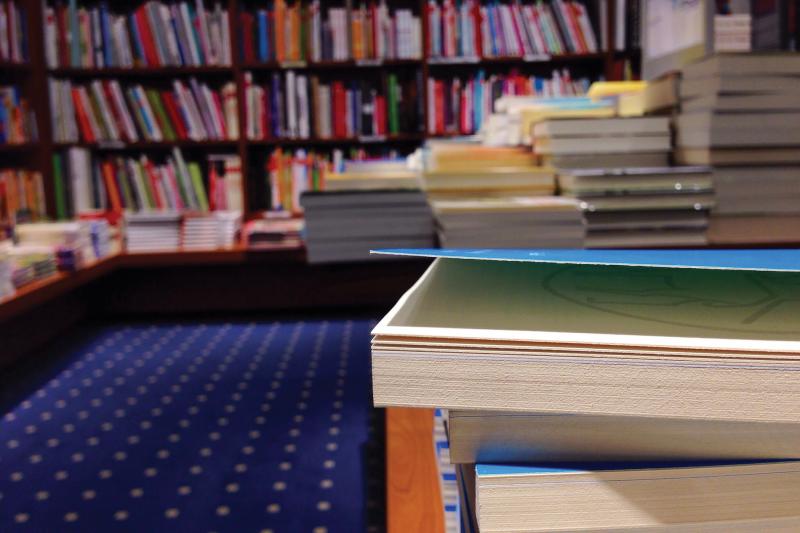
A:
(477, 108)
(263, 42)
(108, 57)
(74, 28)
(781, 260)
(183, 54)
(196, 35)
(138, 49)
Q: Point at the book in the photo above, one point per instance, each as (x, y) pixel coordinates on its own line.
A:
(631, 330)
(747, 496)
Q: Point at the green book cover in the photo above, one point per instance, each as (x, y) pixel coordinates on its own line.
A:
(197, 183)
(125, 186)
(61, 197)
(158, 108)
(144, 184)
(392, 104)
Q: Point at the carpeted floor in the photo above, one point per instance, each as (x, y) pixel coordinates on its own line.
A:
(212, 426)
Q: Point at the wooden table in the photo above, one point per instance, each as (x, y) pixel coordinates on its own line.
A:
(413, 494)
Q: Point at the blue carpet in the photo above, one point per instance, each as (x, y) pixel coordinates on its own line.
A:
(197, 427)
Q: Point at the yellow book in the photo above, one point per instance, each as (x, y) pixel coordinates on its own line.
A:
(531, 117)
(605, 89)
(358, 35)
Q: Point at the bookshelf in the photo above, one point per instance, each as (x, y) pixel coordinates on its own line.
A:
(34, 76)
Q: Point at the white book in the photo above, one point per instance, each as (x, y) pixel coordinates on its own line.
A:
(50, 41)
(216, 120)
(250, 106)
(170, 39)
(291, 103)
(215, 34)
(105, 112)
(304, 126)
(586, 27)
(227, 54)
(80, 178)
(97, 39)
(5, 45)
(197, 131)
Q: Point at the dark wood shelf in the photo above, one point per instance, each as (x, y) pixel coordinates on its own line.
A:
(515, 60)
(148, 145)
(332, 65)
(119, 72)
(362, 139)
(19, 148)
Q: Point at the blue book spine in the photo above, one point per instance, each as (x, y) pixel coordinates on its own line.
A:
(275, 105)
(491, 11)
(138, 49)
(263, 50)
(75, 44)
(195, 35)
(108, 56)
(183, 54)
(477, 106)
(4, 125)
(538, 84)
(140, 104)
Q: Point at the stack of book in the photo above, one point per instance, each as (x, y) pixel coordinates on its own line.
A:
(288, 175)
(13, 33)
(84, 184)
(103, 242)
(210, 231)
(497, 197)
(463, 104)
(296, 32)
(273, 233)
(152, 231)
(17, 119)
(603, 142)
(733, 32)
(470, 30)
(156, 34)
(380, 208)
(650, 206)
(298, 106)
(22, 195)
(31, 262)
(606, 390)
(102, 111)
(6, 281)
(740, 113)
(373, 174)
(70, 241)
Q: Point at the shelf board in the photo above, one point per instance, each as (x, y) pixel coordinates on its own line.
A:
(363, 139)
(148, 145)
(19, 148)
(15, 66)
(332, 65)
(542, 59)
(139, 71)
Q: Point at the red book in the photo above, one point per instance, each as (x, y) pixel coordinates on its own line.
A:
(339, 110)
(476, 16)
(380, 114)
(264, 115)
(143, 25)
(174, 116)
(115, 112)
(574, 14)
(220, 116)
(152, 175)
(83, 119)
(63, 45)
(439, 105)
(462, 106)
(110, 180)
(375, 25)
(213, 181)
(248, 27)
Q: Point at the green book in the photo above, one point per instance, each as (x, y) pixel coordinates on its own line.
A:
(61, 193)
(158, 108)
(137, 111)
(392, 104)
(124, 185)
(144, 184)
(197, 183)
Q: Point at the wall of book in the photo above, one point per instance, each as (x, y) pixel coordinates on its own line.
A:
(172, 104)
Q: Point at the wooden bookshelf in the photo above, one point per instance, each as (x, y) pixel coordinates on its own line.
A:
(36, 75)
(413, 494)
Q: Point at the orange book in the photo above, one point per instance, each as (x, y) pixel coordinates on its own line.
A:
(294, 32)
(83, 119)
(357, 32)
(280, 30)
(111, 186)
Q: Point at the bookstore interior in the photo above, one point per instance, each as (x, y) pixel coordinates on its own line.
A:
(404, 266)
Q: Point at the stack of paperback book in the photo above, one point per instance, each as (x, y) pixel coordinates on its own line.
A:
(152, 231)
(70, 241)
(273, 233)
(6, 283)
(156, 34)
(211, 230)
(641, 206)
(607, 390)
(31, 262)
(380, 208)
(740, 113)
(22, 195)
(497, 197)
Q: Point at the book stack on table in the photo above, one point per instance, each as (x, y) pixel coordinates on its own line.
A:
(607, 390)
(741, 114)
